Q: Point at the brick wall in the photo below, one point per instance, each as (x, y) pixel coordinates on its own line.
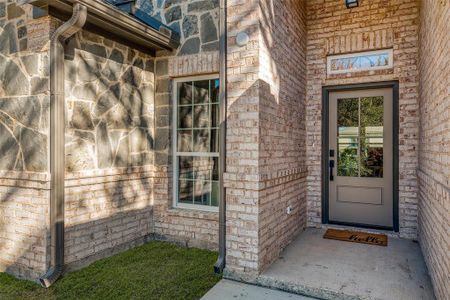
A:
(241, 179)
(24, 223)
(282, 144)
(377, 24)
(197, 23)
(105, 210)
(188, 227)
(265, 132)
(434, 153)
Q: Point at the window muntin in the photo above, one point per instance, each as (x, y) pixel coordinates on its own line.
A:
(196, 154)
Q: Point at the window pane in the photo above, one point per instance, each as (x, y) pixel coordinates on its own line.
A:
(215, 91)
(378, 59)
(214, 142)
(185, 141)
(202, 192)
(185, 191)
(186, 167)
(201, 116)
(203, 167)
(185, 93)
(201, 140)
(197, 122)
(185, 117)
(215, 115)
(215, 169)
(201, 91)
(214, 193)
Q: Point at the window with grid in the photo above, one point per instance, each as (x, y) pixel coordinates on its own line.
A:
(196, 155)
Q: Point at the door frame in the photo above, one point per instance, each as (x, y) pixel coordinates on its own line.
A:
(326, 90)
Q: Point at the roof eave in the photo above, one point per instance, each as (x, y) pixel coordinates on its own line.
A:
(113, 23)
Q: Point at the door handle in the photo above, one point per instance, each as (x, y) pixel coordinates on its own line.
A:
(331, 170)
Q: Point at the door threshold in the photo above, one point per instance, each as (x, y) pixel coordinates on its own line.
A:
(389, 233)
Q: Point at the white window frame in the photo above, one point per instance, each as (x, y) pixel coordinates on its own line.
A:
(350, 55)
(175, 153)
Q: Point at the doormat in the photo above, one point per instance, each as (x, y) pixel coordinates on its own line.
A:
(357, 237)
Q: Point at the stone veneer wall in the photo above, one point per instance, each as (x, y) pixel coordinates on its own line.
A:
(375, 24)
(109, 147)
(118, 168)
(24, 125)
(197, 23)
(266, 170)
(118, 146)
(434, 149)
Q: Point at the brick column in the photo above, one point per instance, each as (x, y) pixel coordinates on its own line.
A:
(242, 178)
(265, 132)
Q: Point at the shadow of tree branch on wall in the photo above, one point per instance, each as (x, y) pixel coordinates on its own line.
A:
(24, 125)
(267, 106)
(108, 197)
(109, 204)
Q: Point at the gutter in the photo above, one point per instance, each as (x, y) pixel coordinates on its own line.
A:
(220, 264)
(57, 141)
(112, 22)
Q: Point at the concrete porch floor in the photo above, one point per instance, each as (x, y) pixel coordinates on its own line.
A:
(328, 269)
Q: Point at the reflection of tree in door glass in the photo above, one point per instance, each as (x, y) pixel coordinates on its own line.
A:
(360, 137)
(371, 148)
(348, 136)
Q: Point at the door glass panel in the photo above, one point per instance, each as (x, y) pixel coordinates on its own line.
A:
(348, 137)
(371, 147)
(348, 111)
(360, 137)
(348, 160)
